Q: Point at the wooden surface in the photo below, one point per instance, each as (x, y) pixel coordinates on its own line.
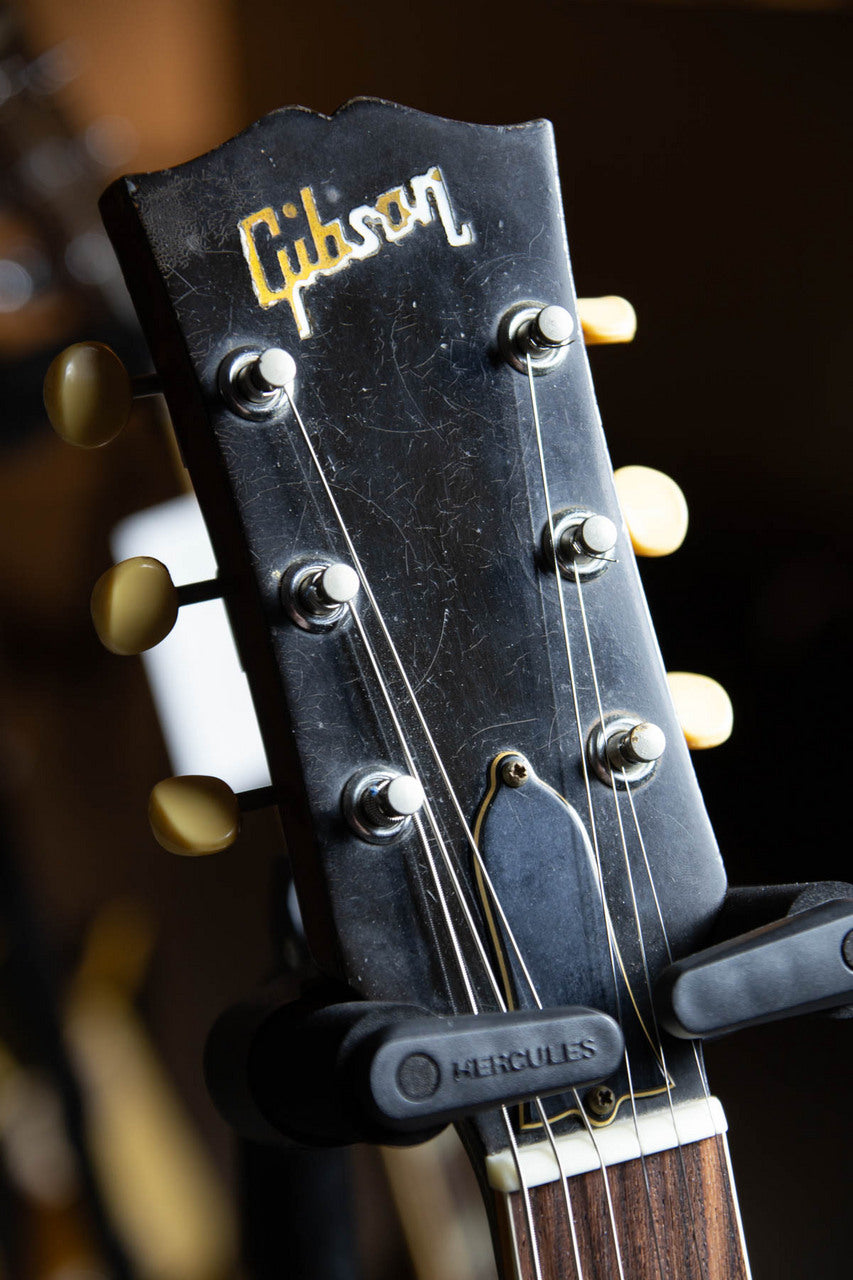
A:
(682, 1227)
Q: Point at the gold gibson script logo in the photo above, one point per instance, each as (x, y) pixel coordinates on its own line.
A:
(395, 213)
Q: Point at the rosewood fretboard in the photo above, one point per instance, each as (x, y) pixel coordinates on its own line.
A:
(673, 1222)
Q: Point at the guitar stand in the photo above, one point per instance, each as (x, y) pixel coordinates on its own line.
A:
(325, 1070)
(782, 965)
(324, 1073)
(297, 1209)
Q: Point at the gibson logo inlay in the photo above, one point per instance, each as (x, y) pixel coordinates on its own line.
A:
(395, 213)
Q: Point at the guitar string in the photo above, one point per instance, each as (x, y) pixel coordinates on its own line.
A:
(460, 961)
(449, 787)
(590, 806)
(454, 800)
(437, 835)
(637, 920)
(413, 699)
(696, 1045)
(722, 1147)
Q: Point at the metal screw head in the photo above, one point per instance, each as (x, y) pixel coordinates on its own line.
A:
(600, 1100)
(515, 772)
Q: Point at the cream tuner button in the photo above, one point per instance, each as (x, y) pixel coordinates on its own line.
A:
(703, 708)
(87, 394)
(134, 605)
(654, 508)
(607, 319)
(194, 815)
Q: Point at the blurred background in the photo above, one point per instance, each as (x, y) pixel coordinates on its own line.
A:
(706, 165)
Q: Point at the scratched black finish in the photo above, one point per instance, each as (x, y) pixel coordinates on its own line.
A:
(427, 439)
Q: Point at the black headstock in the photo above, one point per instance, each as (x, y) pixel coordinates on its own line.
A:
(389, 252)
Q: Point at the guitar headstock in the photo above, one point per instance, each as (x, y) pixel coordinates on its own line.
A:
(366, 330)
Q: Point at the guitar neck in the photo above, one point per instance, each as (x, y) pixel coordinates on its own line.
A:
(674, 1214)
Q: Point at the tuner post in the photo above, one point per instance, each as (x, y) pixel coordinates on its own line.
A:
(256, 382)
(540, 334)
(626, 750)
(379, 805)
(549, 330)
(317, 594)
(584, 539)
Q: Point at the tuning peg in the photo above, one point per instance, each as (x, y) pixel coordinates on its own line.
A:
(654, 508)
(607, 319)
(703, 708)
(195, 814)
(88, 394)
(135, 604)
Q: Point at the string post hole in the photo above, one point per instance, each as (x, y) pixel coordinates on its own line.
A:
(585, 541)
(538, 334)
(626, 749)
(257, 382)
(515, 771)
(379, 805)
(317, 594)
